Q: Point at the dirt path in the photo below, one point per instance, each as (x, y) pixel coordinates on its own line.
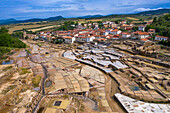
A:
(110, 84)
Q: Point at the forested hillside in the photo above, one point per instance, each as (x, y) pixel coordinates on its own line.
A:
(7, 42)
(162, 25)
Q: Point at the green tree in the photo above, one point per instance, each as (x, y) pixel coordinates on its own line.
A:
(6, 40)
(66, 26)
(135, 28)
(149, 27)
(3, 30)
(117, 21)
(155, 19)
(18, 34)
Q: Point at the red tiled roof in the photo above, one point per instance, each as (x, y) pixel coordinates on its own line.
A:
(42, 35)
(125, 33)
(141, 25)
(151, 30)
(68, 37)
(102, 36)
(125, 25)
(115, 30)
(161, 36)
(116, 35)
(143, 33)
(109, 35)
(144, 39)
(96, 35)
(82, 34)
(102, 39)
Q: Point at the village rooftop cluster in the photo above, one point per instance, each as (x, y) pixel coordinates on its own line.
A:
(90, 32)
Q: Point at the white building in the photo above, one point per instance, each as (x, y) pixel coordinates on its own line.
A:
(160, 38)
(85, 39)
(105, 33)
(142, 35)
(126, 35)
(69, 40)
(141, 28)
(115, 32)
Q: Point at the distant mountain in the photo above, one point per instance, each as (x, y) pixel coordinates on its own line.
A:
(7, 21)
(13, 21)
(39, 19)
(91, 16)
(53, 18)
(154, 12)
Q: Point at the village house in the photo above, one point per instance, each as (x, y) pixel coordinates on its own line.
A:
(80, 26)
(83, 31)
(151, 31)
(141, 28)
(83, 34)
(113, 25)
(110, 36)
(126, 27)
(143, 40)
(103, 36)
(42, 36)
(122, 22)
(100, 40)
(85, 39)
(125, 35)
(96, 36)
(114, 37)
(90, 25)
(69, 40)
(104, 32)
(95, 25)
(160, 38)
(105, 25)
(149, 22)
(48, 37)
(85, 25)
(115, 31)
(30, 36)
(142, 35)
(41, 32)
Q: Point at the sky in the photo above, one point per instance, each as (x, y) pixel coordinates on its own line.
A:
(26, 9)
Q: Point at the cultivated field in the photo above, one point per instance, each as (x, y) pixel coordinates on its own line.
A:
(132, 18)
(20, 27)
(93, 20)
(43, 28)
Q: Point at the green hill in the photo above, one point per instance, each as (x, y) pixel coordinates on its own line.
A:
(154, 12)
(13, 21)
(7, 42)
(162, 25)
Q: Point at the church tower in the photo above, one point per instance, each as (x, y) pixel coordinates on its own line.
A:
(24, 34)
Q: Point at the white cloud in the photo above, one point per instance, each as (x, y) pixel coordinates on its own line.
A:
(63, 7)
(145, 9)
